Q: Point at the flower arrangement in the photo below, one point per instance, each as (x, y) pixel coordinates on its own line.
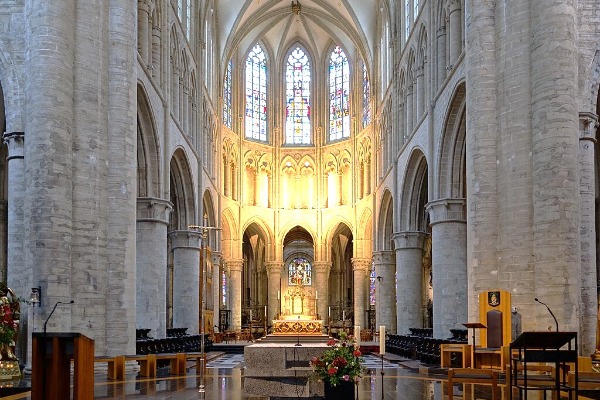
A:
(340, 362)
(9, 315)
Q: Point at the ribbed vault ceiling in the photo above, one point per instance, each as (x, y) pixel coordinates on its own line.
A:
(320, 23)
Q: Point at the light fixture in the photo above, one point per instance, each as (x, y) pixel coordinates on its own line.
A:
(36, 296)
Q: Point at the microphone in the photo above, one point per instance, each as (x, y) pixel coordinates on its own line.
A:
(52, 312)
(549, 310)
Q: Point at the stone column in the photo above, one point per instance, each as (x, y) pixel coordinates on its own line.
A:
(235, 267)
(454, 16)
(321, 281)
(449, 264)
(186, 279)
(385, 286)
(274, 274)
(217, 282)
(361, 268)
(18, 276)
(48, 200)
(122, 180)
(441, 55)
(555, 164)
(409, 107)
(151, 284)
(144, 29)
(589, 275)
(409, 273)
(481, 148)
(420, 91)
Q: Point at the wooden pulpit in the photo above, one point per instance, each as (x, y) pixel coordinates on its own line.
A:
(51, 366)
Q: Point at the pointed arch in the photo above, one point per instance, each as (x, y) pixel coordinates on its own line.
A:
(181, 191)
(413, 216)
(148, 149)
(452, 156)
(385, 228)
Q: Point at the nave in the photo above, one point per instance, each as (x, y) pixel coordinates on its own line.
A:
(402, 380)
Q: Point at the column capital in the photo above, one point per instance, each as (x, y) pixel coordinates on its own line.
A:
(361, 264)
(234, 265)
(453, 5)
(15, 142)
(184, 239)
(322, 266)
(153, 209)
(447, 210)
(409, 240)
(587, 126)
(273, 267)
(216, 258)
(383, 257)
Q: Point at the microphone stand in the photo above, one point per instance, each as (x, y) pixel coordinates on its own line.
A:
(45, 347)
(550, 311)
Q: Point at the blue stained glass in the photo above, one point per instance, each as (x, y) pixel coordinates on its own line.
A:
(300, 272)
(339, 89)
(227, 96)
(366, 98)
(297, 93)
(256, 94)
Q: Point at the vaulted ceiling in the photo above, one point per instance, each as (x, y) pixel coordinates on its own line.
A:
(318, 25)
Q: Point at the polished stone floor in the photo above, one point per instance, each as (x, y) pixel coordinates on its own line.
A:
(225, 375)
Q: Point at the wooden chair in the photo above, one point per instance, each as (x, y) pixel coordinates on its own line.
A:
(495, 314)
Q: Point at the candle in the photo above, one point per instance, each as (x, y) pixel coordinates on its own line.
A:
(278, 295)
(357, 335)
(250, 315)
(317, 294)
(265, 311)
(344, 315)
(382, 339)
(329, 311)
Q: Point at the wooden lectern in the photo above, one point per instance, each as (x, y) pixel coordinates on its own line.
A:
(51, 366)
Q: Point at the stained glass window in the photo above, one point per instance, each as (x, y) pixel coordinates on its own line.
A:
(407, 20)
(297, 94)
(339, 88)
(227, 95)
(300, 272)
(256, 94)
(416, 9)
(366, 97)
(372, 287)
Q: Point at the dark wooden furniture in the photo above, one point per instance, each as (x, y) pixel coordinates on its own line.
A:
(51, 366)
(557, 348)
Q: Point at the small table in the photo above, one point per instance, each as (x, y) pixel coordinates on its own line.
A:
(474, 325)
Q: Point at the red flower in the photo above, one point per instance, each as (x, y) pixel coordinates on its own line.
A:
(331, 371)
(357, 353)
(340, 362)
(331, 342)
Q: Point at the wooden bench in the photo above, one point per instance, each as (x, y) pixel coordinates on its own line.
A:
(472, 376)
(112, 364)
(447, 349)
(147, 363)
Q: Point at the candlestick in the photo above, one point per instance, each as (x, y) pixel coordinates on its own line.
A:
(382, 339)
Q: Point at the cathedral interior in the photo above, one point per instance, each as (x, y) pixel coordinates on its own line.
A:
(210, 164)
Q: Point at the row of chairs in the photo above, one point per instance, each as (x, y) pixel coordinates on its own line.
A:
(421, 345)
(172, 344)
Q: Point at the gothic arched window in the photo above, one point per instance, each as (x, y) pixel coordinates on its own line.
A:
(297, 98)
(256, 94)
(300, 272)
(227, 95)
(366, 98)
(339, 93)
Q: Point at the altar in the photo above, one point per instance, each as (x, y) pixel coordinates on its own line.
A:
(299, 313)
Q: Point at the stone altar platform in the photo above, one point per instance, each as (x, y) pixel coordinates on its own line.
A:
(276, 366)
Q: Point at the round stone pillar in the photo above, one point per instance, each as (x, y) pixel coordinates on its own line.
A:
(234, 268)
(151, 261)
(454, 16)
(385, 286)
(589, 275)
(449, 265)
(321, 281)
(144, 29)
(18, 276)
(274, 286)
(186, 279)
(361, 268)
(409, 274)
